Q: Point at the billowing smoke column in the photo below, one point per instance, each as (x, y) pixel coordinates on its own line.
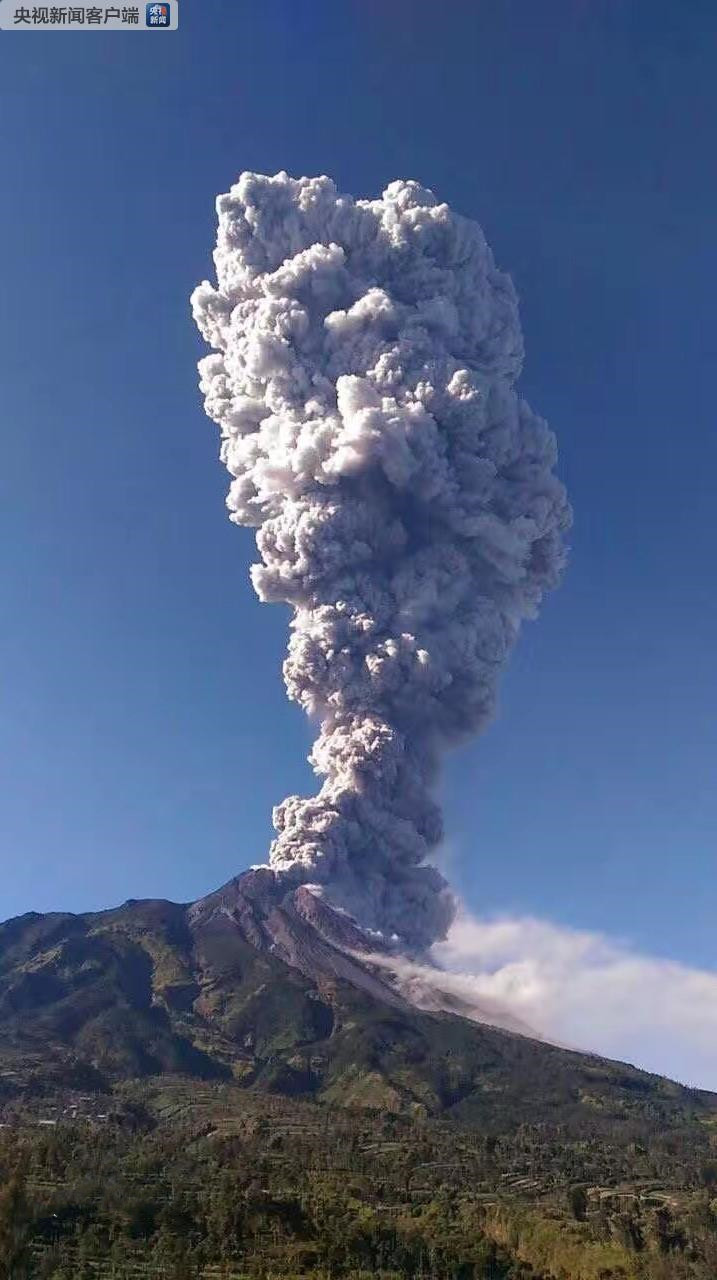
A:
(405, 504)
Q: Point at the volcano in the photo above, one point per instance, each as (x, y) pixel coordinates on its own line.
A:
(282, 993)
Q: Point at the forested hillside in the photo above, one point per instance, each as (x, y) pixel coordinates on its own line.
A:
(182, 1180)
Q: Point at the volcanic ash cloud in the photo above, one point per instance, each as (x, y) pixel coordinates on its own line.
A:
(405, 503)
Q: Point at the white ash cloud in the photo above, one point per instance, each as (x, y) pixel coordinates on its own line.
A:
(404, 498)
(582, 989)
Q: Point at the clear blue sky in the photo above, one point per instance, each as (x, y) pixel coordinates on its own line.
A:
(145, 733)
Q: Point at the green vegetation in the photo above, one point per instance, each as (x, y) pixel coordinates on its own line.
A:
(182, 1180)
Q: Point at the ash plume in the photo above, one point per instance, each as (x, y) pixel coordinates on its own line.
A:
(405, 503)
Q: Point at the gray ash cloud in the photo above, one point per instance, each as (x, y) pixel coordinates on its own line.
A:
(405, 502)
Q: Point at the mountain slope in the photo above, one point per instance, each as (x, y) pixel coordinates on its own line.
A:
(274, 994)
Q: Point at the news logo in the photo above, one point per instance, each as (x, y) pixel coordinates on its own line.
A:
(157, 15)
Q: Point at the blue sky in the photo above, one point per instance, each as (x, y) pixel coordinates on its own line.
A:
(144, 730)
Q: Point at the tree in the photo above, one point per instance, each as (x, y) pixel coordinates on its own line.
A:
(15, 1221)
(669, 1234)
(578, 1201)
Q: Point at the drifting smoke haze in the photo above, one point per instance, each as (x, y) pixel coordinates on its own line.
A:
(405, 503)
(582, 989)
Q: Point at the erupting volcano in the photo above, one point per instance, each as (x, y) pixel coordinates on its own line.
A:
(406, 507)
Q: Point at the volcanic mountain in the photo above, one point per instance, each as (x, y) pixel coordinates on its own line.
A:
(281, 993)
